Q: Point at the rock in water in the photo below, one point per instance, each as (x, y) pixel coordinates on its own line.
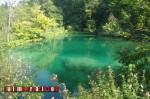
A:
(80, 64)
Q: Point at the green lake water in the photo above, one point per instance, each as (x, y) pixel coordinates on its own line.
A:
(72, 58)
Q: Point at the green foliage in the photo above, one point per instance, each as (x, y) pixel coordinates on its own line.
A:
(90, 9)
(91, 26)
(33, 26)
(36, 20)
(3, 23)
(3, 18)
(52, 11)
(105, 86)
(14, 72)
(112, 28)
(132, 16)
(138, 54)
(73, 13)
(43, 22)
(93, 16)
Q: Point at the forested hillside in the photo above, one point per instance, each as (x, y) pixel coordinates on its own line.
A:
(110, 17)
(114, 17)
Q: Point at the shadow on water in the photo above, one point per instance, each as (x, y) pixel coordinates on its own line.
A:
(72, 58)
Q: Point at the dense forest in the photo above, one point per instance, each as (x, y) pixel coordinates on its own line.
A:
(31, 21)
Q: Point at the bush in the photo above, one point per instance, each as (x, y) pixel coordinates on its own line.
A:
(113, 28)
(15, 72)
(104, 86)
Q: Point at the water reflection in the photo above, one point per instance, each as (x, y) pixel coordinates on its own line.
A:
(72, 59)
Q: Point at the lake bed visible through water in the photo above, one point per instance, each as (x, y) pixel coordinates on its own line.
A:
(72, 58)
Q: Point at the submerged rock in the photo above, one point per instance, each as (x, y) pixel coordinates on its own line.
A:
(80, 64)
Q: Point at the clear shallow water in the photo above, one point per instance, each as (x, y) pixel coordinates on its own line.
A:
(72, 58)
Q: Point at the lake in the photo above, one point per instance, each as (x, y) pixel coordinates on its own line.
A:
(72, 58)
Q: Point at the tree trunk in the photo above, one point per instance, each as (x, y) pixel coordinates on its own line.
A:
(9, 19)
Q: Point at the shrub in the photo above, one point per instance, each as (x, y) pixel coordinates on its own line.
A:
(104, 86)
(14, 72)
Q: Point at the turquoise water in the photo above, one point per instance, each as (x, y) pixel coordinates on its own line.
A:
(72, 58)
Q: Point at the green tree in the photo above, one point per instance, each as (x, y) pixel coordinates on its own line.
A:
(52, 11)
(73, 13)
(3, 22)
(30, 23)
(90, 10)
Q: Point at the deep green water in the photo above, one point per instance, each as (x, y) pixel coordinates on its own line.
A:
(72, 58)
